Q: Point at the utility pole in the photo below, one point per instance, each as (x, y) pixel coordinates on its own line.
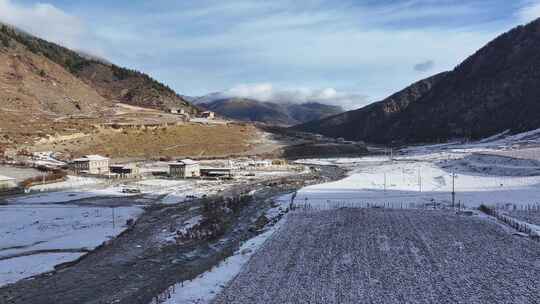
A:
(385, 182)
(113, 220)
(419, 181)
(453, 189)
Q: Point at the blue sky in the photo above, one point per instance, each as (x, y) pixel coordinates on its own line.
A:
(343, 52)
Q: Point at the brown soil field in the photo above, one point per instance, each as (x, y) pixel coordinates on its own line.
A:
(186, 140)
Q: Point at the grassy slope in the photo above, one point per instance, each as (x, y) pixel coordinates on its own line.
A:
(183, 140)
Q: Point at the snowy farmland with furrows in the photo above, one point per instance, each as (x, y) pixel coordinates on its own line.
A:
(389, 256)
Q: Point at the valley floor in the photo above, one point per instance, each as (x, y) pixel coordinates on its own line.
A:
(52, 228)
(388, 231)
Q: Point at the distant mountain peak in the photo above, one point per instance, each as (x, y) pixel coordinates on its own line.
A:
(276, 113)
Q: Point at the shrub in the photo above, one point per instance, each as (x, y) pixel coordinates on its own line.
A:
(52, 176)
(4, 40)
(485, 209)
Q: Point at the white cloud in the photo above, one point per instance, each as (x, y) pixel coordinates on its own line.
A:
(530, 11)
(424, 66)
(262, 92)
(267, 92)
(43, 20)
(46, 21)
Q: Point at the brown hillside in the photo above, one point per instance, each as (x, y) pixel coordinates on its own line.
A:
(48, 90)
(130, 87)
(38, 97)
(110, 81)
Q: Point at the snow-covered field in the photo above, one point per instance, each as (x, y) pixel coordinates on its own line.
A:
(420, 175)
(388, 256)
(19, 174)
(177, 191)
(528, 153)
(35, 238)
(68, 196)
(91, 188)
(15, 269)
(71, 182)
(39, 231)
(421, 182)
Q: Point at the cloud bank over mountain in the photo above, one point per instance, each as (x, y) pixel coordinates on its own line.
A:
(530, 11)
(267, 92)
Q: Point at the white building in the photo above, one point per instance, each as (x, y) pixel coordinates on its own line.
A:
(185, 168)
(208, 115)
(179, 111)
(42, 155)
(92, 164)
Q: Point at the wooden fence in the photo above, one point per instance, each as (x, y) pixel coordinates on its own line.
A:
(520, 226)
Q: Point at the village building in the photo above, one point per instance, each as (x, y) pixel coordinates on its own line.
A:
(42, 155)
(260, 163)
(182, 113)
(217, 172)
(125, 171)
(91, 164)
(178, 111)
(279, 162)
(184, 169)
(208, 115)
(7, 183)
